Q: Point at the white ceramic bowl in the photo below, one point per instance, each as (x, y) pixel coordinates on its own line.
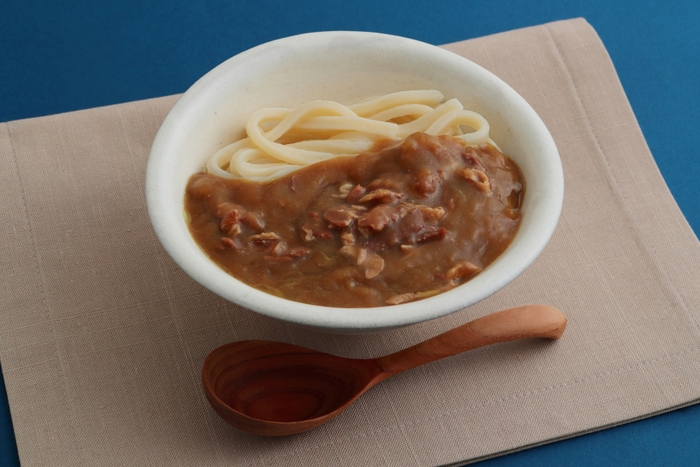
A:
(346, 66)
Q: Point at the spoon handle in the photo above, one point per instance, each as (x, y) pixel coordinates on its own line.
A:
(515, 323)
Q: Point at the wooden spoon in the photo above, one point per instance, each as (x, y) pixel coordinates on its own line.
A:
(276, 389)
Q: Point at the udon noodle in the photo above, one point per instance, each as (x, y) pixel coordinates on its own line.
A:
(280, 140)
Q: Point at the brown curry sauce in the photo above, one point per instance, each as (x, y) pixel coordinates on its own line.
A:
(400, 223)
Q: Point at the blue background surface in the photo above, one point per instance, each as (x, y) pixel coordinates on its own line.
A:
(58, 56)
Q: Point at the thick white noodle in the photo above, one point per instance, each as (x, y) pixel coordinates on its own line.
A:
(377, 104)
(281, 140)
(424, 122)
(407, 110)
(222, 158)
(456, 119)
(254, 164)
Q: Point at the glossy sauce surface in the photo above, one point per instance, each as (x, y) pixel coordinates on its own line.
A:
(398, 224)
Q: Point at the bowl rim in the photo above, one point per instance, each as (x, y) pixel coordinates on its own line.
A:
(340, 319)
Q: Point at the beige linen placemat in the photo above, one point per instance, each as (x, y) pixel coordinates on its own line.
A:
(102, 337)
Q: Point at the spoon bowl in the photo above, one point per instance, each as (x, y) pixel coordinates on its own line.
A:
(273, 388)
(276, 389)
